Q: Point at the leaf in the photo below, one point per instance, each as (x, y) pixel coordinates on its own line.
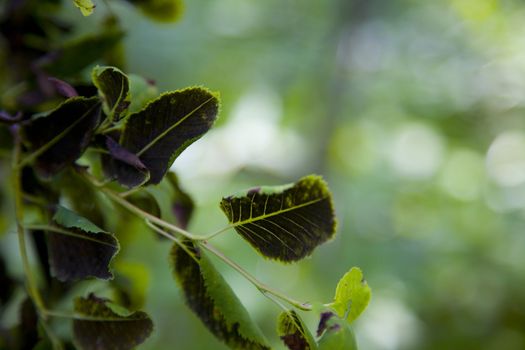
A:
(351, 295)
(62, 87)
(336, 333)
(75, 55)
(85, 6)
(10, 119)
(294, 333)
(123, 165)
(166, 126)
(83, 199)
(284, 222)
(63, 134)
(113, 87)
(160, 10)
(132, 283)
(79, 249)
(212, 300)
(108, 326)
(141, 91)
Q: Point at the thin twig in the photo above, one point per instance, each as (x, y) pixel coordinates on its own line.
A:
(32, 287)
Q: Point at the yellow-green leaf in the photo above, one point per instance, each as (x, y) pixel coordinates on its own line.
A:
(351, 295)
(85, 6)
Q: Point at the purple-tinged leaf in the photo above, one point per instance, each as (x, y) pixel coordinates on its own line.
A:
(9, 119)
(62, 87)
(182, 204)
(123, 165)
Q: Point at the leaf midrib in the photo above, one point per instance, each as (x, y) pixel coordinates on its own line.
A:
(164, 133)
(66, 232)
(280, 211)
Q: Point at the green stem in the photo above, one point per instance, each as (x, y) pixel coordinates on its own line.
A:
(120, 199)
(263, 288)
(153, 220)
(31, 284)
(172, 238)
(145, 215)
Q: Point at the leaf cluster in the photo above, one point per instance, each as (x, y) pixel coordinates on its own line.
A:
(88, 156)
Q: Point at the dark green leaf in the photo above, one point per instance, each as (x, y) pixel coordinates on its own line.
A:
(160, 10)
(79, 249)
(113, 87)
(336, 333)
(166, 126)
(294, 333)
(108, 326)
(62, 134)
(351, 295)
(76, 55)
(213, 301)
(284, 222)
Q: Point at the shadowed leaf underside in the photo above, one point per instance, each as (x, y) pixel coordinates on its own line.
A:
(103, 325)
(78, 249)
(285, 223)
(212, 300)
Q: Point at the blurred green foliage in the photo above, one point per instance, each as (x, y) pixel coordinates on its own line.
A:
(412, 110)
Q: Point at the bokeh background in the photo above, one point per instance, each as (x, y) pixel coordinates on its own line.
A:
(413, 111)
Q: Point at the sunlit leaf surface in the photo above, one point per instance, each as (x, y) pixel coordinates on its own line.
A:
(351, 295)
